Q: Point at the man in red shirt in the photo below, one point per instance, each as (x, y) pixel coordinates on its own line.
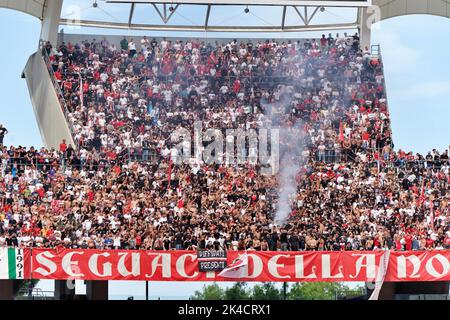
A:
(323, 41)
(429, 243)
(408, 242)
(62, 149)
(63, 146)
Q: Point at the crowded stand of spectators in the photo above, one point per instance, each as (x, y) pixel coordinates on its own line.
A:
(354, 191)
(133, 101)
(343, 205)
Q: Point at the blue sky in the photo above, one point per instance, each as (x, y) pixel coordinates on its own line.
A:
(416, 56)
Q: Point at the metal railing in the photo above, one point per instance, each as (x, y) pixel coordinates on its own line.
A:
(375, 50)
(59, 164)
(400, 164)
(143, 155)
(34, 294)
(331, 156)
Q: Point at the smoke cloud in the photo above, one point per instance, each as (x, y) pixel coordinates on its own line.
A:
(290, 146)
(290, 153)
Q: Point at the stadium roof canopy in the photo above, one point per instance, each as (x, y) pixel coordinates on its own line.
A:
(222, 15)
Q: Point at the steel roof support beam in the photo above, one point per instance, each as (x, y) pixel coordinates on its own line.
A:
(172, 12)
(208, 11)
(348, 3)
(201, 28)
(165, 13)
(305, 8)
(164, 17)
(130, 18)
(300, 15)
(308, 20)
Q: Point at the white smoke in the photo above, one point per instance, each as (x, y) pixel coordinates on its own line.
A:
(290, 152)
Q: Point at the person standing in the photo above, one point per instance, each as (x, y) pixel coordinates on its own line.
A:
(124, 44)
(132, 49)
(3, 132)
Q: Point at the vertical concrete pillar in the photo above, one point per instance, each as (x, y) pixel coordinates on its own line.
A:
(438, 287)
(6, 289)
(97, 290)
(390, 289)
(387, 291)
(64, 290)
(50, 21)
(365, 24)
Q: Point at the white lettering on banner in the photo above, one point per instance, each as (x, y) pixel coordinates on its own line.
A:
(181, 263)
(67, 263)
(401, 266)
(257, 266)
(135, 264)
(300, 269)
(165, 265)
(326, 268)
(93, 265)
(273, 266)
(369, 264)
(41, 258)
(20, 264)
(445, 266)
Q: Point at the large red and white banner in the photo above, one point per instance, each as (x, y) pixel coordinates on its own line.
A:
(419, 266)
(260, 266)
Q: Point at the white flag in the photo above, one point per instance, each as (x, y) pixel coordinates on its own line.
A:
(11, 263)
(237, 269)
(381, 275)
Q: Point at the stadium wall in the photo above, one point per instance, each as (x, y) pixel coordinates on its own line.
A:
(49, 114)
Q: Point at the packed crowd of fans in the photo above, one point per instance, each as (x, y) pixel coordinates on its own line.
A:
(117, 187)
(134, 100)
(343, 205)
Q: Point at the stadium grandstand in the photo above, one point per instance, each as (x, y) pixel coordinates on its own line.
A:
(112, 178)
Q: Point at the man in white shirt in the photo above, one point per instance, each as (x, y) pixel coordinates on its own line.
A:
(132, 48)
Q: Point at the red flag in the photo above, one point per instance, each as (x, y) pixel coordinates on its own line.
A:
(180, 204)
(81, 90)
(341, 132)
(432, 213)
(169, 172)
(422, 194)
